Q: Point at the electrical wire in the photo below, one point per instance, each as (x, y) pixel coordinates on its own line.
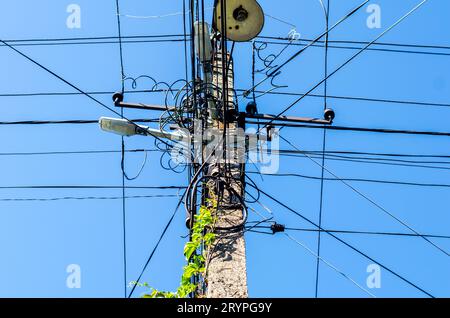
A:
(409, 13)
(372, 233)
(343, 152)
(298, 53)
(282, 152)
(136, 39)
(122, 162)
(87, 198)
(386, 50)
(378, 206)
(324, 141)
(415, 286)
(71, 85)
(319, 258)
(75, 152)
(66, 122)
(163, 233)
(324, 152)
(360, 99)
(378, 161)
(423, 46)
(354, 129)
(62, 187)
(403, 183)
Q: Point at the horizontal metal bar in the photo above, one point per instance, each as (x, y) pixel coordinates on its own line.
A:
(145, 106)
(255, 116)
(289, 119)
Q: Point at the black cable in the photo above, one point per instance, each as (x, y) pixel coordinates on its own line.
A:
(134, 91)
(443, 47)
(353, 57)
(368, 199)
(378, 161)
(432, 185)
(354, 155)
(387, 50)
(157, 244)
(298, 53)
(407, 155)
(122, 163)
(346, 244)
(71, 85)
(379, 233)
(67, 122)
(330, 155)
(348, 15)
(361, 99)
(88, 198)
(96, 38)
(356, 129)
(367, 160)
(91, 187)
(385, 159)
(74, 152)
(185, 37)
(224, 66)
(324, 140)
(391, 162)
(180, 38)
(281, 152)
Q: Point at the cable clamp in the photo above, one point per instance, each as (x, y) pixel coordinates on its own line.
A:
(277, 228)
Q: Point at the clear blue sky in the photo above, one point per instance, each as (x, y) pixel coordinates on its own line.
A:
(38, 240)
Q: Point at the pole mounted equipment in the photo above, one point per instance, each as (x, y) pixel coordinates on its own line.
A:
(203, 46)
(244, 19)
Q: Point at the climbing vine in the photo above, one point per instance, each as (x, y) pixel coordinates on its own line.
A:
(196, 252)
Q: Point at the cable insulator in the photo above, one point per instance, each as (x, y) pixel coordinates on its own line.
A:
(277, 228)
(329, 114)
(251, 108)
(117, 98)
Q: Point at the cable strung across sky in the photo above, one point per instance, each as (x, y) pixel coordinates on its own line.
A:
(342, 128)
(355, 98)
(344, 242)
(202, 98)
(341, 66)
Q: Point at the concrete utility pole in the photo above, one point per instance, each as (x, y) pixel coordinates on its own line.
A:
(227, 273)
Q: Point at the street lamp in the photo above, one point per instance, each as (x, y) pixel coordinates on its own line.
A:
(120, 127)
(127, 128)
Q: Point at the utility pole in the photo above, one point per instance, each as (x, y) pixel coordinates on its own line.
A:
(227, 272)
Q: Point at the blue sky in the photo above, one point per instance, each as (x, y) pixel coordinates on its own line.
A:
(38, 240)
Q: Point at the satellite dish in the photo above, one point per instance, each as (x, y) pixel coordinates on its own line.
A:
(244, 19)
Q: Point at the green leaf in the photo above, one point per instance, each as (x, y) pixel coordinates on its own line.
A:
(189, 249)
(209, 238)
(202, 221)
